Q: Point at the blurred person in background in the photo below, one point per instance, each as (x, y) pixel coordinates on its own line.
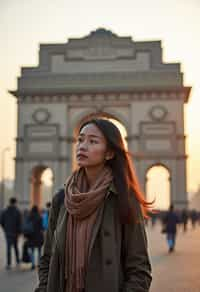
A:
(11, 223)
(34, 235)
(184, 219)
(170, 225)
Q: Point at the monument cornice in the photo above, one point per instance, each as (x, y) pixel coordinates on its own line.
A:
(44, 159)
(160, 156)
(66, 139)
(139, 137)
(60, 138)
(33, 96)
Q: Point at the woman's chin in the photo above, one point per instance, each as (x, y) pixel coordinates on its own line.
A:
(81, 164)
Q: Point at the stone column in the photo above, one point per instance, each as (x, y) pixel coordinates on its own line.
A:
(36, 191)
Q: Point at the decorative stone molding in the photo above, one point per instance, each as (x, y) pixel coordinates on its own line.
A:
(144, 156)
(41, 115)
(63, 158)
(19, 139)
(158, 113)
(19, 158)
(132, 137)
(41, 161)
(69, 139)
(181, 137)
(179, 202)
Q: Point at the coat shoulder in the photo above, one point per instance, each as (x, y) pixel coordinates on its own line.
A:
(58, 198)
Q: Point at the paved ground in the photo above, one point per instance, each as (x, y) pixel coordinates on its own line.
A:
(177, 272)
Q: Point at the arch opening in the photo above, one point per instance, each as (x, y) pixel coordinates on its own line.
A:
(41, 185)
(158, 186)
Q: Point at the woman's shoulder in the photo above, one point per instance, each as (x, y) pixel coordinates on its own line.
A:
(58, 197)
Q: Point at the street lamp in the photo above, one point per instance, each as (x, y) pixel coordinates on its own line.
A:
(3, 153)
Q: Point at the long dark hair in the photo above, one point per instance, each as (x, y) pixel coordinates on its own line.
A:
(125, 179)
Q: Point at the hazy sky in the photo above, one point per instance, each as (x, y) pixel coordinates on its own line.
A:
(25, 24)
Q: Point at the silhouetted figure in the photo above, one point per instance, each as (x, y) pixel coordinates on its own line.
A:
(194, 217)
(198, 216)
(11, 223)
(170, 221)
(184, 219)
(35, 237)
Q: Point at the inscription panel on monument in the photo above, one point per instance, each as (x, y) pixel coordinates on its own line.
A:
(99, 53)
(157, 128)
(41, 131)
(158, 137)
(140, 64)
(40, 147)
(41, 140)
(158, 145)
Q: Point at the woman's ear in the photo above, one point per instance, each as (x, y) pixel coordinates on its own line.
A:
(110, 154)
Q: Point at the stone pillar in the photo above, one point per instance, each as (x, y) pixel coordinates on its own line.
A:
(181, 200)
(36, 191)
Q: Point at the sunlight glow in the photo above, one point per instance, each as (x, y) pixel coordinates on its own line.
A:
(46, 187)
(158, 187)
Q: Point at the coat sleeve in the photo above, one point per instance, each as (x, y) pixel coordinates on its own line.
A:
(137, 266)
(48, 243)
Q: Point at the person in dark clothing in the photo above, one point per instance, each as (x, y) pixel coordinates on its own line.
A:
(36, 237)
(170, 222)
(184, 219)
(193, 217)
(11, 224)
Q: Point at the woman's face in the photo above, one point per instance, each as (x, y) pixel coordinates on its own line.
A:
(91, 147)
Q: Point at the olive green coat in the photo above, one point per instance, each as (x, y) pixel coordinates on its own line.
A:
(118, 256)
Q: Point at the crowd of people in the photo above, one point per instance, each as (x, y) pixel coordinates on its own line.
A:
(31, 224)
(174, 220)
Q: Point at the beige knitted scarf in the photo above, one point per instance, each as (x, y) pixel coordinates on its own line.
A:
(82, 204)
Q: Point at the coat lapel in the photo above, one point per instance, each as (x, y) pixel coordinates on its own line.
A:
(61, 229)
(96, 228)
(99, 219)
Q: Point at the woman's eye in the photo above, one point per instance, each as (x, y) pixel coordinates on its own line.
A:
(79, 139)
(93, 141)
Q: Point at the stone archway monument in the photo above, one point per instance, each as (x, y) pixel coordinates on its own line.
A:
(101, 73)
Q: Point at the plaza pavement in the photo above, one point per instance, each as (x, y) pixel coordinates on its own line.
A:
(176, 272)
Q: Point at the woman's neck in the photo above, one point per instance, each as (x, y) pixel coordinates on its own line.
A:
(93, 173)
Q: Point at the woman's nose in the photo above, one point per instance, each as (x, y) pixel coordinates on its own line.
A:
(83, 145)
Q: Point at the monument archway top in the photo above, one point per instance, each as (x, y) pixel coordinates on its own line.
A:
(100, 61)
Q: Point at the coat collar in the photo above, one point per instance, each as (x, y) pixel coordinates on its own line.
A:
(61, 227)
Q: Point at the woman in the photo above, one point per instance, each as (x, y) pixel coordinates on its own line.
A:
(96, 240)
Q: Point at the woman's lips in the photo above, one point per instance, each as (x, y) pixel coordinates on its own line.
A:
(81, 156)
